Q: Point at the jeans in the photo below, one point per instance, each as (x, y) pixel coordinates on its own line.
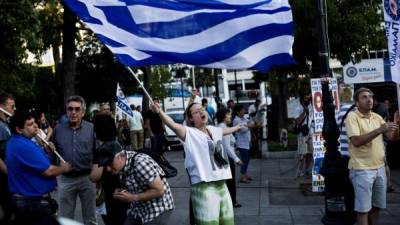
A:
(244, 154)
(31, 210)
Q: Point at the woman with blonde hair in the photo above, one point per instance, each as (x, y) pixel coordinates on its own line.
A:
(207, 164)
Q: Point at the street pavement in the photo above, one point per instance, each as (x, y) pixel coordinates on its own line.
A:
(274, 197)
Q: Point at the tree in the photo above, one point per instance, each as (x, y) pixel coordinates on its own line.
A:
(19, 26)
(354, 28)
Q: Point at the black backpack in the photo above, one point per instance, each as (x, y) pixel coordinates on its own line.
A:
(168, 169)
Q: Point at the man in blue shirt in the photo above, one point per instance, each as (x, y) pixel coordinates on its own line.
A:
(31, 177)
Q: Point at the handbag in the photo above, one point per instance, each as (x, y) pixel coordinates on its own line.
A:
(168, 169)
(301, 128)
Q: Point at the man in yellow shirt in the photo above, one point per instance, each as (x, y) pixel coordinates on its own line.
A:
(365, 130)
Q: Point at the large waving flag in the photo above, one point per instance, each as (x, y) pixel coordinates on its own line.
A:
(230, 34)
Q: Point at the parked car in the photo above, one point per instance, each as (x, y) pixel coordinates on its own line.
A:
(172, 140)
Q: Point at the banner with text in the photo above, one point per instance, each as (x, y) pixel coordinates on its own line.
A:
(391, 12)
(318, 184)
(316, 91)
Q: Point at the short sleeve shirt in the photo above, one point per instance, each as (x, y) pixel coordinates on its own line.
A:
(26, 163)
(199, 159)
(135, 122)
(4, 136)
(372, 154)
(139, 171)
(242, 135)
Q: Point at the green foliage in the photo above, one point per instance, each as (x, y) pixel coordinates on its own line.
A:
(354, 27)
(98, 72)
(160, 75)
(204, 77)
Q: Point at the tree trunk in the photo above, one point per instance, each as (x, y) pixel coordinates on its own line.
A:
(282, 108)
(273, 116)
(56, 54)
(68, 54)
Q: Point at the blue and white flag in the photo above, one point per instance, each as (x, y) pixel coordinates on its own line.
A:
(122, 104)
(392, 27)
(229, 34)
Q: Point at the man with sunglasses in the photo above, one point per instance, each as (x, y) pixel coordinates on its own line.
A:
(7, 109)
(75, 141)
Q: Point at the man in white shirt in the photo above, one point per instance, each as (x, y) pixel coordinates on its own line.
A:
(136, 128)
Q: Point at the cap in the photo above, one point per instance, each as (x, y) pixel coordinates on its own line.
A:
(105, 154)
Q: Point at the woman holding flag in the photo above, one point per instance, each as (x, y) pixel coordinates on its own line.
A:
(206, 162)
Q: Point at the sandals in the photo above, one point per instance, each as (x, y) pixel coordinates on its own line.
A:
(237, 205)
(244, 180)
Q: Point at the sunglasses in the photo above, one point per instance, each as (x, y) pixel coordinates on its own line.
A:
(71, 109)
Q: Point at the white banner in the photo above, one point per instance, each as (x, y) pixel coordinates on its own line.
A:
(391, 11)
(122, 104)
(366, 71)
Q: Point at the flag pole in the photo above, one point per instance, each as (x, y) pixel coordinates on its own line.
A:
(5, 112)
(48, 144)
(137, 79)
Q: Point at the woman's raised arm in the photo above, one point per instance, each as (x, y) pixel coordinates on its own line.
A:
(178, 129)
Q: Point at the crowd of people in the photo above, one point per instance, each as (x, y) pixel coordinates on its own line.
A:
(101, 162)
(45, 169)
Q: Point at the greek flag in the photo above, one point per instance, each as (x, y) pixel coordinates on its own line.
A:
(228, 34)
(122, 104)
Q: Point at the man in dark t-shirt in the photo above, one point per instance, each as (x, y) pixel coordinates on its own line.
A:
(156, 129)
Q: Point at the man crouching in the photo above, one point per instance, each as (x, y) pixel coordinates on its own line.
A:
(146, 188)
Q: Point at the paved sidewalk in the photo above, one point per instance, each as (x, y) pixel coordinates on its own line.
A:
(273, 197)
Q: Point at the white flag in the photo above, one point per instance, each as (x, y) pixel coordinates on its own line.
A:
(122, 103)
(392, 27)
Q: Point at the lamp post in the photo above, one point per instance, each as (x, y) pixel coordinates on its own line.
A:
(339, 194)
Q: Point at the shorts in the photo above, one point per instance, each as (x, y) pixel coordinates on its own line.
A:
(304, 145)
(369, 189)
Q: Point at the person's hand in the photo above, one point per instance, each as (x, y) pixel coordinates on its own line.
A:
(397, 117)
(66, 167)
(123, 195)
(239, 162)
(155, 107)
(238, 127)
(389, 126)
(194, 93)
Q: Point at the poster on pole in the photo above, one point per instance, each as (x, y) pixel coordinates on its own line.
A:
(316, 91)
(318, 184)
